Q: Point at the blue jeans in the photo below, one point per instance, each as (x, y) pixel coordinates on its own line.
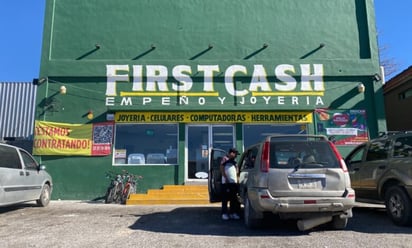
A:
(229, 194)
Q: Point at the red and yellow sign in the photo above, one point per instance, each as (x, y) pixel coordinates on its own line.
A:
(52, 138)
(345, 127)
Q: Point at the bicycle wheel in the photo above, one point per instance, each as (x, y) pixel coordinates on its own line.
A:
(109, 198)
(126, 193)
(132, 189)
(118, 193)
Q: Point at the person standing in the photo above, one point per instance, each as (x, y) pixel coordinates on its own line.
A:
(230, 188)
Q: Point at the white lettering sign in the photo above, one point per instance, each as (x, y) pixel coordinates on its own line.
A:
(311, 80)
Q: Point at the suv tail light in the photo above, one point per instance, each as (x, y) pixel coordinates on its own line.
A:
(264, 162)
(342, 163)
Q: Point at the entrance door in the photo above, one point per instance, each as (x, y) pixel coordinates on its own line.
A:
(200, 138)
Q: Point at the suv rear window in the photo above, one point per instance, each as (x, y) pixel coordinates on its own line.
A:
(305, 153)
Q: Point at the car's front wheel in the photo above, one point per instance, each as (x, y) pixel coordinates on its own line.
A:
(398, 206)
(44, 199)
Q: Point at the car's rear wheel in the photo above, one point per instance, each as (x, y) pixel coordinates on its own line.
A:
(44, 199)
(398, 206)
(339, 223)
(252, 218)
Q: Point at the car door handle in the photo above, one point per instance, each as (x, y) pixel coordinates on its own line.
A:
(22, 173)
(382, 167)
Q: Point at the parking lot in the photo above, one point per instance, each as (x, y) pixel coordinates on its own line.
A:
(95, 224)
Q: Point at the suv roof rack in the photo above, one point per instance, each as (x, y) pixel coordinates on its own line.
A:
(387, 133)
(299, 136)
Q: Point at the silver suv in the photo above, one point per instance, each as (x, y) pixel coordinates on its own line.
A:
(381, 172)
(301, 177)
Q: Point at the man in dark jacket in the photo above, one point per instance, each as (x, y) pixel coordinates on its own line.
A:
(229, 170)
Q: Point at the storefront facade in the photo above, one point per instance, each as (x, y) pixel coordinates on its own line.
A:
(157, 84)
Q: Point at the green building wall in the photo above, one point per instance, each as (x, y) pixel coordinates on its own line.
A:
(82, 37)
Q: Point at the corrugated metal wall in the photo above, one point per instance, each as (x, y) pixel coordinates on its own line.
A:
(17, 109)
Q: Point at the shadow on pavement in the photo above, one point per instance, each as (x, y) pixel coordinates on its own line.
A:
(374, 220)
(16, 207)
(207, 221)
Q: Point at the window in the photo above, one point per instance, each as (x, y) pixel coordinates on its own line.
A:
(357, 155)
(403, 147)
(377, 150)
(249, 158)
(289, 154)
(29, 162)
(137, 144)
(9, 158)
(255, 133)
(405, 94)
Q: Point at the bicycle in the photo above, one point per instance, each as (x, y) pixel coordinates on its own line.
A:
(114, 191)
(121, 186)
(128, 188)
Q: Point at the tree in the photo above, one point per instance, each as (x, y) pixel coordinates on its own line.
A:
(389, 64)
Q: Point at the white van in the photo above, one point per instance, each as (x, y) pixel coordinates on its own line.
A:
(22, 179)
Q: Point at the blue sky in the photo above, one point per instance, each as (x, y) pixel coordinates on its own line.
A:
(21, 25)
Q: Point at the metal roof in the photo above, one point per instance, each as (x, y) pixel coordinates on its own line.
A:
(17, 109)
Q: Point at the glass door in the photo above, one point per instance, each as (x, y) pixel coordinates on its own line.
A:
(199, 140)
(222, 137)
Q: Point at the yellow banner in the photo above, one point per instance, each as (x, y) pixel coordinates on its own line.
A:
(52, 138)
(214, 117)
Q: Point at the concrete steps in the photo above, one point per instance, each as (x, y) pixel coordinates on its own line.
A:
(172, 194)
